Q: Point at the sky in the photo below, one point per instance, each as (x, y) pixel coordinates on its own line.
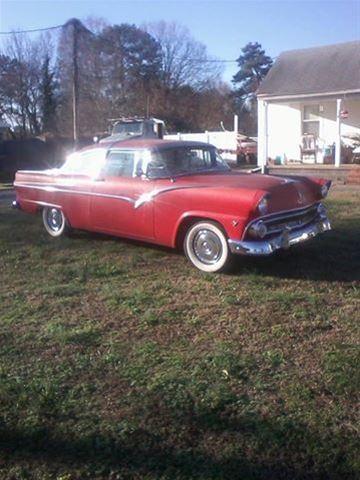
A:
(224, 26)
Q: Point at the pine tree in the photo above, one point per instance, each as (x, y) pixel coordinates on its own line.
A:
(48, 97)
(253, 64)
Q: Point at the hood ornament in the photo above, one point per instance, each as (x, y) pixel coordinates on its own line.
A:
(301, 198)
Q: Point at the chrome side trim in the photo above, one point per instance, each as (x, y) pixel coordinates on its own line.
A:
(142, 200)
(52, 188)
(283, 241)
(148, 196)
(44, 204)
(49, 187)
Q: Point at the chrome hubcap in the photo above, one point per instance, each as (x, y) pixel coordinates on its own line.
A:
(207, 247)
(54, 219)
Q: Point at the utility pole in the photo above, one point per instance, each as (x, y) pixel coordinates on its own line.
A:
(75, 82)
(147, 105)
(77, 29)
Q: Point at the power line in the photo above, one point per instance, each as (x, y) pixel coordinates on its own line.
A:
(201, 60)
(32, 31)
(102, 38)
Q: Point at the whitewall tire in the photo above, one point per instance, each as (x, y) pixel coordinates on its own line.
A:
(54, 221)
(206, 247)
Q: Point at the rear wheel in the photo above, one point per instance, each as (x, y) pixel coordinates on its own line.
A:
(54, 221)
(206, 247)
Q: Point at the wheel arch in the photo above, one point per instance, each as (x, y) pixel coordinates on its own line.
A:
(43, 205)
(187, 220)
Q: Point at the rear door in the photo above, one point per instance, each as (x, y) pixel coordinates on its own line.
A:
(73, 185)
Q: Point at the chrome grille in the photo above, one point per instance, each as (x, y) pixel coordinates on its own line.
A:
(291, 220)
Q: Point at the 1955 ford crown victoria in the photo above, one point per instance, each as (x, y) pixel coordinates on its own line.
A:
(175, 194)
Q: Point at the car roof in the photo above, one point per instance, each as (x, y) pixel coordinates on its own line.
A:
(153, 144)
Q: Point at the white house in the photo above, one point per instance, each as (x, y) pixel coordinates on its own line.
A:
(310, 94)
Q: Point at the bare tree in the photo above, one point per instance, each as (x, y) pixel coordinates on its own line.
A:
(185, 61)
(25, 95)
(109, 71)
(8, 89)
(20, 85)
(216, 106)
(188, 72)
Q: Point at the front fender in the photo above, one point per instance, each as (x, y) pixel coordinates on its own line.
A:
(233, 225)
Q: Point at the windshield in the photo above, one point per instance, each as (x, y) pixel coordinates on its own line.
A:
(185, 160)
(133, 128)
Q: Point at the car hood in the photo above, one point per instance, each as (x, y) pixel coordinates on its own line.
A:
(284, 192)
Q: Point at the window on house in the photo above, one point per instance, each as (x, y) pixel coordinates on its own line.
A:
(311, 120)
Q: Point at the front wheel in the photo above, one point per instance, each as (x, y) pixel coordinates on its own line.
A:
(54, 221)
(206, 247)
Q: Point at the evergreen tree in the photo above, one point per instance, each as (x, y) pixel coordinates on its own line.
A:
(132, 67)
(253, 65)
(48, 98)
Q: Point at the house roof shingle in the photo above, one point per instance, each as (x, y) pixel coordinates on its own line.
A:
(320, 70)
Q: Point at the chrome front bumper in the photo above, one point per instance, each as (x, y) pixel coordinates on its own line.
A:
(283, 241)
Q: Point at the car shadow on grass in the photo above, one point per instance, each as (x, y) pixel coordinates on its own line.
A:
(333, 257)
(269, 450)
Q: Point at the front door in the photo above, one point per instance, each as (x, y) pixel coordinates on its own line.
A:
(116, 205)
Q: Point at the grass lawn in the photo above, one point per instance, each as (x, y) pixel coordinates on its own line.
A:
(5, 186)
(6, 180)
(121, 361)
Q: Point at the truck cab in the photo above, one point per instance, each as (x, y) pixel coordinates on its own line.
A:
(135, 127)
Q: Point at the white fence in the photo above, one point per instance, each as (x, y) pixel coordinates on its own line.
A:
(227, 142)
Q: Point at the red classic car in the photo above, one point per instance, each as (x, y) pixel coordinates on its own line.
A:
(175, 194)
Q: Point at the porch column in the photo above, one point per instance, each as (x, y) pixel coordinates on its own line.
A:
(236, 124)
(262, 134)
(338, 133)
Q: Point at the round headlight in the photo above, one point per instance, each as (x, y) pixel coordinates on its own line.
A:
(325, 190)
(321, 209)
(263, 206)
(262, 229)
(258, 229)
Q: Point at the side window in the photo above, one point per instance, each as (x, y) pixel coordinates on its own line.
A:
(85, 163)
(199, 159)
(119, 164)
